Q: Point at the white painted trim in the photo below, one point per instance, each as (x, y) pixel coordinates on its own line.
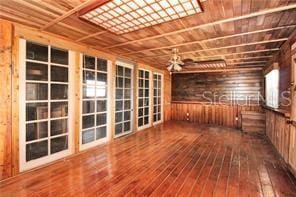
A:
(124, 64)
(23, 164)
(162, 99)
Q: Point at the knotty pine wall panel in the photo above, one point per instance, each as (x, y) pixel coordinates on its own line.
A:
(5, 100)
(207, 87)
(205, 113)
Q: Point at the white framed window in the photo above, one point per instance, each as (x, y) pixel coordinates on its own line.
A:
(157, 98)
(272, 88)
(45, 121)
(123, 99)
(94, 104)
(143, 98)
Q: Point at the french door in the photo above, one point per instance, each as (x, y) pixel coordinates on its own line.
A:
(123, 98)
(45, 115)
(94, 101)
(157, 98)
(143, 99)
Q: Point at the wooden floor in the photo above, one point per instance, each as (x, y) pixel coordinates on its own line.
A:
(175, 159)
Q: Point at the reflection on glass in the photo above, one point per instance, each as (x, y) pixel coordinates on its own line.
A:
(89, 77)
(58, 144)
(88, 121)
(102, 65)
(118, 128)
(59, 91)
(36, 150)
(89, 62)
(36, 52)
(101, 119)
(101, 79)
(36, 91)
(89, 92)
(58, 127)
(88, 107)
(36, 131)
(101, 92)
(59, 56)
(36, 111)
(88, 136)
(101, 105)
(36, 71)
(101, 132)
(59, 109)
(59, 74)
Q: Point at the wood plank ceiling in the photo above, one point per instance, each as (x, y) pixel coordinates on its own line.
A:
(243, 32)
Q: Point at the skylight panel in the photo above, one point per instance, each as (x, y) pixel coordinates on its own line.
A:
(123, 16)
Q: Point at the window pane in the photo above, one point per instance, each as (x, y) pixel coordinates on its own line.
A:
(128, 72)
(146, 120)
(101, 92)
(59, 109)
(36, 52)
(36, 131)
(118, 117)
(58, 144)
(101, 79)
(36, 91)
(127, 126)
(101, 132)
(88, 121)
(88, 136)
(59, 56)
(118, 105)
(59, 91)
(89, 77)
(59, 74)
(127, 104)
(119, 93)
(101, 106)
(141, 92)
(140, 103)
(36, 150)
(89, 92)
(140, 112)
(146, 101)
(36, 71)
(88, 107)
(102, 65)
(119, 71)
(146, 110)
(89, 62)
(118, 128)
(101, 119)
(36, 111)
(146, 83)
(119, 82)
(127, 93)
(141, 73)
(127, 115)
(140, 122)
(127, 83)
(58, 127)
(141, 83)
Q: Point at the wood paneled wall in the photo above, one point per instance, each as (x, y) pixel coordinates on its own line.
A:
(9, 94)
(5, 100)
(218, 86)
(218, 114)
(167, 96)
(278, 132)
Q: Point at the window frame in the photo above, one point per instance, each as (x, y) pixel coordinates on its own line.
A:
(27, 165)
(274, 103)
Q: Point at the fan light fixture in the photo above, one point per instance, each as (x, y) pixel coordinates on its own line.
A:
(175, 62)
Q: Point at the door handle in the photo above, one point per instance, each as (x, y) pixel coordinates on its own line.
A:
(291, 122)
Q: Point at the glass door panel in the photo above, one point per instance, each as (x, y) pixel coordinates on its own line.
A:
(123, 100)
(44, 119)
(143, 98)
(157, 98)
(94, 101)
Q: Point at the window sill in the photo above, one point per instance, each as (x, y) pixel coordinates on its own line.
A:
(282, 112)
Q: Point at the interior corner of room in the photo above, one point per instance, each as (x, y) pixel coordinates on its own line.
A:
(197, 94)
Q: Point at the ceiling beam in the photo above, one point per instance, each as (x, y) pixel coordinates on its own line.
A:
(252, 62)
(213, 39)
(257, 68)
(91, 35)
(69, 13)
(226, 47)
(232, 59)
(254, 14)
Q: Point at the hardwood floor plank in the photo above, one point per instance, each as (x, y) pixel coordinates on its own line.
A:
(174, 159)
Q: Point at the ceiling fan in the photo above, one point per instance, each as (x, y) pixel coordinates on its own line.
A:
(176, 64)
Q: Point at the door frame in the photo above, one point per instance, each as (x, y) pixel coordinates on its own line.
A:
(23, 164)
(161, 99)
